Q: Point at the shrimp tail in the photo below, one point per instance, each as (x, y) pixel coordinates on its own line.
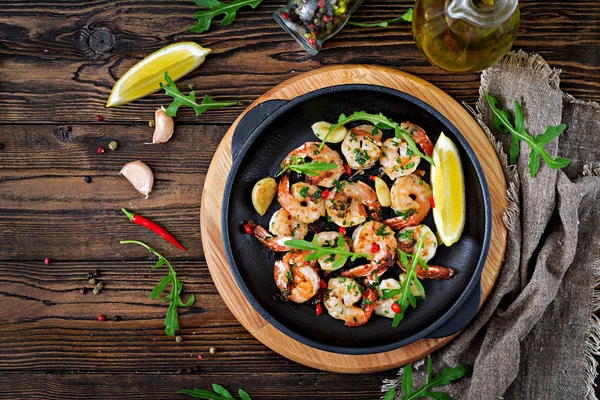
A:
(401, 222)
(377, 267)
(368, 305)
(275, 243)
(433, 272)
(420, 137)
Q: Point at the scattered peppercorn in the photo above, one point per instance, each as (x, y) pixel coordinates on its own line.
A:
(212, 350)
(181, 371)
(101, 318)
(87, 179)
(151, 123)
(113, 145)
(99, 118)
(195, 368)
(1, 146)
(116, 318)
(98, 288)
(189, 371)
(93, 273)
(101, 150)
(178, 339)
(192, 86)
(47, 261)
(92, 281)
(83, 290)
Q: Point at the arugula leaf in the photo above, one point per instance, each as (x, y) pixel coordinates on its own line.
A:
(215, 8)
(312, 168)
(320, 251)
(173, 297)
(389, 395)
(407, 16)
(445, 377)
(220, 393)
(179, 99)
(518, 132)
(381, 122)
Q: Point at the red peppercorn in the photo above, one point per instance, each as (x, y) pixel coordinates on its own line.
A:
(312, 41)
(247, 229)
(325, 193)
(47, 261)
(342, 230)
(100, 150)
(101, 318)
(319, 309)
(326, 18)
(347, 169)
(396, 308)
(322, 284)
(99, 118)
(321, 3)
(374, 248)
(432, 202)
(285, 15)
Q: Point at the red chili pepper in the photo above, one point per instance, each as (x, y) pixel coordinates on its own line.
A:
(319, 309)
(154, 227)
(347, 169)
(248, 229)
(374, 248)
(372, 177)
(325, 193)
(432, 202)
(322, 284)
(396, 308)
(342, 230)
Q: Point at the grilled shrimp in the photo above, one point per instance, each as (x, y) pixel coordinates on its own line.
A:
(295, 277)
(342, 298)
(346, 207)
(410, 200)
(383, 306)
(361, 147)
(311, 150)
(300, 202)
(373, 238)
(330, 239)
(397, 159)
(283, 224)
(420, 137)
(408, 238)
(275, 243)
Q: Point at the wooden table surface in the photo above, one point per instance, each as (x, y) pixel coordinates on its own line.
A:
(58, 62)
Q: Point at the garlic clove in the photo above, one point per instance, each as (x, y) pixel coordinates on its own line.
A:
(140, 176)
(164, 126)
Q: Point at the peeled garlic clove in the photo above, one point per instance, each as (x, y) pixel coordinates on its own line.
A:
(321, 129)
(164, 126)
(140, 175)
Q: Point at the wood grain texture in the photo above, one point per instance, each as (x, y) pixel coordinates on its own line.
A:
(53, 71)
(212, 207)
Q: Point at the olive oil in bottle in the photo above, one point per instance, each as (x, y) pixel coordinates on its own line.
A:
(465, 35)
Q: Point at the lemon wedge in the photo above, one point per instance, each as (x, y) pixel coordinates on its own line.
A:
(144, 78)
(263, 193)
(448, 186)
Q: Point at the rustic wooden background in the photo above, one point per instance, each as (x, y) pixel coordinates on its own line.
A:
(58, 62)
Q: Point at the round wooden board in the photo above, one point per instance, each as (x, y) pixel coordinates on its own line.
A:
(213, 194)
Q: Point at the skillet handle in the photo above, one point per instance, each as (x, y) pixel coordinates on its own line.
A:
(462, 317)
(250, 121)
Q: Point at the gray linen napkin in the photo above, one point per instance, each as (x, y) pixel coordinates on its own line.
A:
(537, 335)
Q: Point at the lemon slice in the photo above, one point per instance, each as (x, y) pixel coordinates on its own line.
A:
(263, 193)
(143, 78)
(448, 186)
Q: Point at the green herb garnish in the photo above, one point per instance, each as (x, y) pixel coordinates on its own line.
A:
(381, 122)
(173, 297)
(320, 251)
(382, 231)
(312, 168)
(502, 123)
(406, 17)
(304, 191)
(179, 99)
(220, 393)
(214, 8)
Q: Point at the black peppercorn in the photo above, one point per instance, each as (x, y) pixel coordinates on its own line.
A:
(189, 370)
(116, 318)
(83, 290)
(87, 179)
(181, 371)
(196, 368)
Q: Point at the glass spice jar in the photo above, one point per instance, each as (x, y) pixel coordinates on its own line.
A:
(311, 22)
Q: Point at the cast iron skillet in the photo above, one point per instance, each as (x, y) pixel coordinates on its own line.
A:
(264, 137)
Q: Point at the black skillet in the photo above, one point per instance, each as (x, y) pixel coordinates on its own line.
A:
(265, 135)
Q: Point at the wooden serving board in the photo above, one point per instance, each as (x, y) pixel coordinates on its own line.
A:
(213, 194)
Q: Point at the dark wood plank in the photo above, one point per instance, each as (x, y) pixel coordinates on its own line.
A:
(47, 210)
(51, 74)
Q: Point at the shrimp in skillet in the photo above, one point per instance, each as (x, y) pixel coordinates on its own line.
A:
(311, 150)
(397, 159)
(275, 243)
(295, 277)
(361, 147)
(420, 137)
(349, 203)
(410, 200)
(408, 238)
(383, 306)
(301, 202)
(433, 272)
(330, 239)
(283, 224)
(345, 301)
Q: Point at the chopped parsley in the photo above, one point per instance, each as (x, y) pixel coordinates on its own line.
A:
(362, 157)
(304, 191)
(409, 165)
(382, 231)
(405, 214)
